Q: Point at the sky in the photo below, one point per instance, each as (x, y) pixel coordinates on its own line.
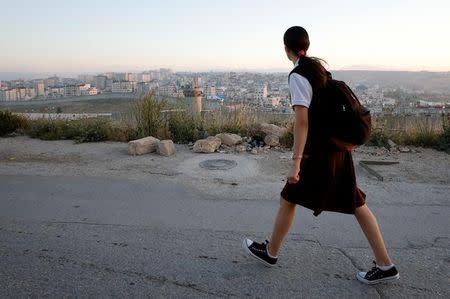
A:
(197, 35)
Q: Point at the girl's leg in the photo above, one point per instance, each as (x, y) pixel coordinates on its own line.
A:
(369, 226)
(283, 222)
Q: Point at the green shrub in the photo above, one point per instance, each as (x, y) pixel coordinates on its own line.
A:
(184, 126)
(82, 130)
(378, 137)
(147, 114)
(10, 123)
(287, 140)
(121, 131)
(48, 129)
(444, 138)
(91, 130)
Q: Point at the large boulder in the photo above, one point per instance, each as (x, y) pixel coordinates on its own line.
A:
(208, 145)
(272, 140)
(143, 146)
(271, 129)
(229, 138)
(166, 147)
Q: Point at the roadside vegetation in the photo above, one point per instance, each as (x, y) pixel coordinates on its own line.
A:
(153, 116)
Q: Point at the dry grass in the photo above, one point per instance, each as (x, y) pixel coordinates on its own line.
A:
(153, 116)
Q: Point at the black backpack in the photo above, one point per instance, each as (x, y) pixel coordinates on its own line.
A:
(351, 121)
(347, 120)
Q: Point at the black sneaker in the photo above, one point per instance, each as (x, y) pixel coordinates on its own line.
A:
(376, 275)
(259, 251)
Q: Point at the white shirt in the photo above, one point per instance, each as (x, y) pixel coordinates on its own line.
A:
(300, 89)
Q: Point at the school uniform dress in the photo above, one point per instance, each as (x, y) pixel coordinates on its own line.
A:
(327, 175)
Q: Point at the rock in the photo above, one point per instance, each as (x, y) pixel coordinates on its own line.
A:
(166, 147)
(404, 149)
(229, 139)
(208, 145)
(271, 129)
(391, 144)
(254, 151)
(143, 145)
(272, 140)
(240, 148)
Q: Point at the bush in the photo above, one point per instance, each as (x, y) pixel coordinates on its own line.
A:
(444, 138)
(287, 140)
(48, 129)
(147, 114)
(121, 131)
(82, 130)
(378, 137)
(10, 123)
(184, 127)
(91, 130)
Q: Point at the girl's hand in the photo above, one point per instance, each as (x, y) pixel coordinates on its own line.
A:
(293, 175)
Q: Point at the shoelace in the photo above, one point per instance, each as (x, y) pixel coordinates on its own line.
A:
(373, 271)
(261, 247)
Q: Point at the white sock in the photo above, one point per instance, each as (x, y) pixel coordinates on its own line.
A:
(274, 257)
(385, 268)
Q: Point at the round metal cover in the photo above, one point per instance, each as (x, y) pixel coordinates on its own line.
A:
(218, 164)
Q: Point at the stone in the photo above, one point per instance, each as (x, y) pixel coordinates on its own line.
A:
(254, 151)
(143, 146)
(166, 147)
(272, 140)
(391, 144)
(404, 149)
(208, 145)
(229, 139)
(271, 129)
(240, 148)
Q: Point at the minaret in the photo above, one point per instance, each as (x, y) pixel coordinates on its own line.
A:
(196, 85)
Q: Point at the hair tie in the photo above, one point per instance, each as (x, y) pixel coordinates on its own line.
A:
(301, 53)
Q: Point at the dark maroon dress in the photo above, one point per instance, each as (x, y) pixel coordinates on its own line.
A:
(327, 175)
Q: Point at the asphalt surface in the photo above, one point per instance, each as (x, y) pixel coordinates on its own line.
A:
(99, 237)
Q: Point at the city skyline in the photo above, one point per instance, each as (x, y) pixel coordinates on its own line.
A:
(98, 36)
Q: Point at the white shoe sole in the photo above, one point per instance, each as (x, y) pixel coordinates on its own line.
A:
(248, 252)
(363, 280)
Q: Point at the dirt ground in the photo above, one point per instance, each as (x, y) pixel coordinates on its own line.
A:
(259, 176)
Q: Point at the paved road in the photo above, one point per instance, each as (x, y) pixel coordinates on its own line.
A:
(102, 237)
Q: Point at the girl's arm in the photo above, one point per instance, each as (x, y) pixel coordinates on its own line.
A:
(300, 134)
(300, 131)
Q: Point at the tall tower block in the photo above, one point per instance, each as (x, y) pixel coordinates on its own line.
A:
(196, 85)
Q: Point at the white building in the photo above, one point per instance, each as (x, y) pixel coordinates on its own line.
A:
(122, 87)
(31, 93)
(40, 88)
(11, 95)
(92, 91)
(145, 77)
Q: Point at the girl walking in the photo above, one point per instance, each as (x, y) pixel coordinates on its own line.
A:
(322, 175)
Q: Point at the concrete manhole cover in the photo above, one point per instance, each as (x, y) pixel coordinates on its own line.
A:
(218, 164)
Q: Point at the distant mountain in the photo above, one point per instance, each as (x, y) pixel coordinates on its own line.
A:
(426, 81)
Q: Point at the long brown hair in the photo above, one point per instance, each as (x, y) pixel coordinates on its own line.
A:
(296, 39)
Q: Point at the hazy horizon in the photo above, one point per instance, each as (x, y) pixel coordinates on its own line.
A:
(128, 36)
